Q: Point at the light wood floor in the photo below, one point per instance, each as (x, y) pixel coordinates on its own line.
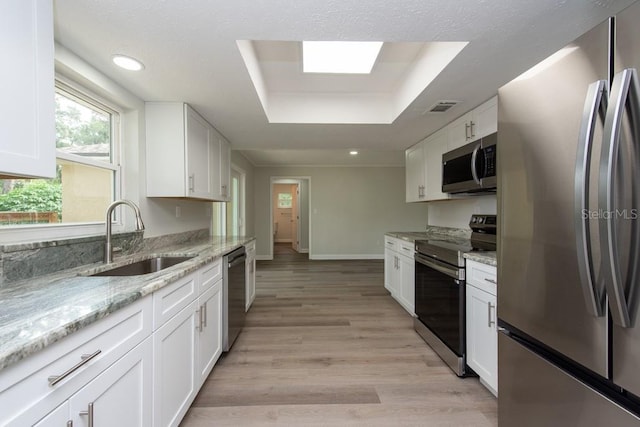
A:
(326, 345)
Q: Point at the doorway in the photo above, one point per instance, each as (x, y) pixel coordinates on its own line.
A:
(290, 215)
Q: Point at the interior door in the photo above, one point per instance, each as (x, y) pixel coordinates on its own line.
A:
(295, 216)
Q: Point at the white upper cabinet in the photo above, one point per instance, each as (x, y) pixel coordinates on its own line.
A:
(423, 161)
(27, 134)
(222, 162)
(477, 123)
(436, 146)
(186, 157)
(415, 173)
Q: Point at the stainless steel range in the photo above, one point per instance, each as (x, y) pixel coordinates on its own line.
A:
(440, 290)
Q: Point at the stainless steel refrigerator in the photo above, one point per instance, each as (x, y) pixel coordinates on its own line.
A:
(569, 234)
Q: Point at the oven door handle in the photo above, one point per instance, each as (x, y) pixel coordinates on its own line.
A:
(437, 265)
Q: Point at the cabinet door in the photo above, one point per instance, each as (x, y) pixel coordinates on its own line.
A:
(27, 134)
(435, 148)
(485, 118)
(198, 146)
(121, 395)
(251, 281)
(482, 337)
(415, 176)
(389, 269)
(174, 369)
(210, 330)
(407, 283)
(225, 170)
(459, 132)
(58, 417)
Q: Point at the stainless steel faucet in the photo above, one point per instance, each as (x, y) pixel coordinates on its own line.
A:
(108, 249)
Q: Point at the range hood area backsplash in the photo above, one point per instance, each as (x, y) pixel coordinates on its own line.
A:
(455, 213)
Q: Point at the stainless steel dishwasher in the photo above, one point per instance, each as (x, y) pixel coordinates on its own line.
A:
(233, 313)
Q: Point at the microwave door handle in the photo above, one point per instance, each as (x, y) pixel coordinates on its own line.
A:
(474, 170)
(595, 105)
(625, 91)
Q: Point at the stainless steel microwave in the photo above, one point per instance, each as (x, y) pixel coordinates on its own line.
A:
(471, 168)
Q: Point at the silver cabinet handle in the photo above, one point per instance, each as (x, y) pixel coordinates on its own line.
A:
(89, 413)
(466, 131)
(491, 281)
(406, 249)
(624, 92)
(192, 182)
(70, 423)
(199, 325)
(84, 359)
(471, 125)
(490, 320)
(595, 105)
(204, 315)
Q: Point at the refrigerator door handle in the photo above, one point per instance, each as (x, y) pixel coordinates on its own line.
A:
(625, 91)
(595, 105)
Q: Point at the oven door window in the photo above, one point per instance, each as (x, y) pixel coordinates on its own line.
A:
(438, 306)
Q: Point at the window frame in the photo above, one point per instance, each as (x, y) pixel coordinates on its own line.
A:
(42, 232)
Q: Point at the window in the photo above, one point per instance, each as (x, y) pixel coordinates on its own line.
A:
(284, 200)
(86, 166)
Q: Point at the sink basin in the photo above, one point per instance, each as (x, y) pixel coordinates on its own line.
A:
(145, 266)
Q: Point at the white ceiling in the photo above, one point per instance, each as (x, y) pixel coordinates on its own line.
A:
(191, 54)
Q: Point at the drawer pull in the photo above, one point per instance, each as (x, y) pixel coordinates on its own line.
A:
(85, 358)
(89, 413)
(491, 281)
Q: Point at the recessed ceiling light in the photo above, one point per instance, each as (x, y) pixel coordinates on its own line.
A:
(127, 62)
(339, 57)
(353, 152)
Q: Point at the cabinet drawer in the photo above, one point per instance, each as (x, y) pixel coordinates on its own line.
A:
(482, 276)
(391, 243)
(406, 248)
(208, 275)
(250, 248)
(25, 386)
(168, 301)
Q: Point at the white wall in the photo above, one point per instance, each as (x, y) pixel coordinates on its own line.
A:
(351, 209)
(456, 213)
(242, 163)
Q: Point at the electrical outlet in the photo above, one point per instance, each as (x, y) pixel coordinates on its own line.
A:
(178, 211)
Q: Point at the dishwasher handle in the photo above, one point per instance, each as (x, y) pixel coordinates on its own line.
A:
(240, 259)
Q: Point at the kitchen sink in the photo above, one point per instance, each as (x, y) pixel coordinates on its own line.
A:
(145, 266)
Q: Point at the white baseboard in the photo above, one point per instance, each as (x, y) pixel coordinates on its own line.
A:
(347, 256)
(264, 258)
(283, 241)
(303, 251)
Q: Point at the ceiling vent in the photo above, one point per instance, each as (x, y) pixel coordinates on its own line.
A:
(441, 106)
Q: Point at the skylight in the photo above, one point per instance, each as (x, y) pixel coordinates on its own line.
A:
(339, 57)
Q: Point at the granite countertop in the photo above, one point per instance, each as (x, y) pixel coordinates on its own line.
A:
(444, 233)
(40, 311)
(485, 257)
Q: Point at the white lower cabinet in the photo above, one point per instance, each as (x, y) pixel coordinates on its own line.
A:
(482, 333)
(210, 330)
(174, 373)
(58, 417)
(120, 396)
(187, 345)
(250, 274)
(140, 366)
(399, 272)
